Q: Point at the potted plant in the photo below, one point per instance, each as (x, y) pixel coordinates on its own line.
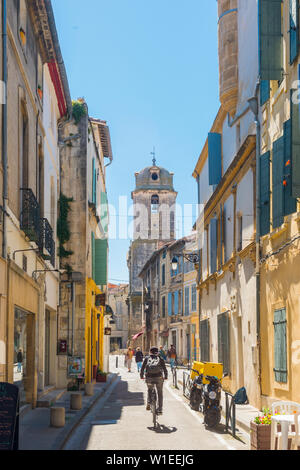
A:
(23, 36)
(260, 431)
(101, 376)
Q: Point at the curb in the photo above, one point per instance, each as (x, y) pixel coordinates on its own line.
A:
(66, 432)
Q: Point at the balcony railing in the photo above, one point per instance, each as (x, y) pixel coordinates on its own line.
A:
(46, 243)
(30, 216)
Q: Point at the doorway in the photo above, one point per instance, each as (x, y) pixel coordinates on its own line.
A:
(47, 348)
(24, 350)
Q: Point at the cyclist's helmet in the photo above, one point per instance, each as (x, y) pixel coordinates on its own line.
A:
(154, 350)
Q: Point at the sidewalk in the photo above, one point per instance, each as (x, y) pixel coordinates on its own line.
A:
(35, 431)
(244, 413)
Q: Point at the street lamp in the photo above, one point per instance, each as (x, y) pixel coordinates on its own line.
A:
(191, 257)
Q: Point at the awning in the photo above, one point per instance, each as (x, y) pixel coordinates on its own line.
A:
(137, 335)
(165, 333)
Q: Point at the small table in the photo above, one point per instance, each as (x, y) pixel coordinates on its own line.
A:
(284, 421)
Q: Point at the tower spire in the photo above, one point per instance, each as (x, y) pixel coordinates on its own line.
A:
(154, 157)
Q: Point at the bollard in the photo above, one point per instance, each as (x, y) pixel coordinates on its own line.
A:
(76, 401)
(89, 389)
(57, 417)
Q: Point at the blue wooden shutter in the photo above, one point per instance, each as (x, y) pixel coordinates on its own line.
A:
(213, 245)
(264, 194)
(264, 91)
(295, 146)
(270, 40)
(170, 303)
(215, 158)
(277, 190)
(280, 350)
(289, 202)
(176, 299)
(187, 301)
(294, 29)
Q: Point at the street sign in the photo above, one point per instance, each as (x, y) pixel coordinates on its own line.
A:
(9, 416)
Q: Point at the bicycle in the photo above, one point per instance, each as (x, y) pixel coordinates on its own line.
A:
(153, 406)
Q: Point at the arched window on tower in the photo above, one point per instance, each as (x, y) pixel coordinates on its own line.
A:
(154, 203)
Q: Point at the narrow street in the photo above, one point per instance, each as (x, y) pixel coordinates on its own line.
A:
(122, 422)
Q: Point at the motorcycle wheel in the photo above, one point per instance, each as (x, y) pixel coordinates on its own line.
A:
(212, 418)
(195, 400)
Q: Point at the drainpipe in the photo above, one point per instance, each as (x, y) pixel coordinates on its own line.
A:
(4, 128)
(254, 106)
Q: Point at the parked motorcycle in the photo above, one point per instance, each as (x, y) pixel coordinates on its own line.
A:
(211, 401)
(196, 391)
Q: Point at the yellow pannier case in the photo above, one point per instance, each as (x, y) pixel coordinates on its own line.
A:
(211, 368)
(197, 366)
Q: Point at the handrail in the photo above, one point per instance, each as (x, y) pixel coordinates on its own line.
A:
(230, 413)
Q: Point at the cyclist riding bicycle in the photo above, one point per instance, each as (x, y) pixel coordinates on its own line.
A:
(155, 371)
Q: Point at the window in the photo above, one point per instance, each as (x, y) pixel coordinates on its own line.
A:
(213, 245)
(23, 148)
(194, 298)
(163, 307)
(187, 301)
(154, 204)
(280, 350)
(240, 232)
(270, 40)
(22, 23)
(224, 341)
(40, 79)
(204, 340)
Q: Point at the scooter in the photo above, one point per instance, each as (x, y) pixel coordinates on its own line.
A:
(211, 401)
(196, 391)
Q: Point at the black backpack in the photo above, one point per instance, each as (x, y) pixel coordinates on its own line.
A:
(240, 398)
(153, 366)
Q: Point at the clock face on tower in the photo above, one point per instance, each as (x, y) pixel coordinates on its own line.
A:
(155, 176)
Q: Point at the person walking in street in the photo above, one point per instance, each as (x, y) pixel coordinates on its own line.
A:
(172, 355)
(139, 357)
(162, 353)
(155, 371)
(129, 356)
(20, 360)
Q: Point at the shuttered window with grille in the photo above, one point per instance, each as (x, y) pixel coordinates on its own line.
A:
(265, 194)
(277, 178)
(289, 202)
(280, 350)
(224, 341)
(295, 117)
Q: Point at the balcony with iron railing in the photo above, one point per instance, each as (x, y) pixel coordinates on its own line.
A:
(46, 243)
(30, 216)
(37, 229)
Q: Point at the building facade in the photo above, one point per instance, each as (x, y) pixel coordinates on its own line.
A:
(117, 300)
(83, 237)
(279, 203)
(226, 178)
(33, 61)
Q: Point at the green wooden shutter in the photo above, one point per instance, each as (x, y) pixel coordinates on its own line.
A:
(104, 212)
(101, 262)
(280, 350)
(187, 301)
(213, 245)
(270, 40)
(277, 189)
(224, 342)
(264, 91)
(295, 147)
(289, 202)
(204, 340)
(215, 158)
(93, 248)
(294, 29)
(265, 194)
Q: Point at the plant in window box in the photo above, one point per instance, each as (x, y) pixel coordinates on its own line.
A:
(23, 36)
(260, 430)
(40, 92)
(101, 376)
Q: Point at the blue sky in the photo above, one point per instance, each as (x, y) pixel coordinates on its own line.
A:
(150, 68)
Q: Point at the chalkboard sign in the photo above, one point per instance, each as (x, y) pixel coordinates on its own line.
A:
(9, 417)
